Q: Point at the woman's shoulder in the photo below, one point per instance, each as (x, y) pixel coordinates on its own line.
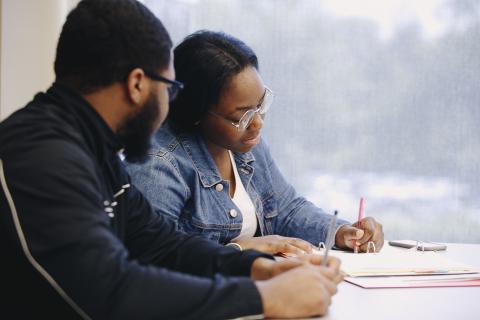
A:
(165, 141)
(177, 147)
(165, 154)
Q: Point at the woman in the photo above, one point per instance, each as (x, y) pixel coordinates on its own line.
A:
(210, 171)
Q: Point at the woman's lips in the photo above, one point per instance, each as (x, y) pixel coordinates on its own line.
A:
(252, 141)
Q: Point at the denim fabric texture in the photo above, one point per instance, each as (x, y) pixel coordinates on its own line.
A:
(181, 180)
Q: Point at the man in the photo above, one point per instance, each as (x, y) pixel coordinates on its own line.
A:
(78, 240)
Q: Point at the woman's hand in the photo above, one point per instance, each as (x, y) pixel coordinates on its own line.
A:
(359, 234)
(274, 244)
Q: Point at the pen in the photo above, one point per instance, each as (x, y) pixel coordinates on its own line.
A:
(330, 237)
(360, 217)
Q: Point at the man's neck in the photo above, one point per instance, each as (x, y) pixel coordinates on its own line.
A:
(111, 104)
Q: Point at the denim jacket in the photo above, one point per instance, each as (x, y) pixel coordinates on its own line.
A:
(181, 180)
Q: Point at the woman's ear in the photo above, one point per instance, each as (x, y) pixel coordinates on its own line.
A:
(137, 87)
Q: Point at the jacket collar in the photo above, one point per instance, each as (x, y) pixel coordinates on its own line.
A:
(99, 137)
(196, 148)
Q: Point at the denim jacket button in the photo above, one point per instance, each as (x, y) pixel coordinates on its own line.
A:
(233, 213)
(219, 187)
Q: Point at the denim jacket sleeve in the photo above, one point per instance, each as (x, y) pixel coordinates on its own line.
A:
(160, 181)
(297, 217)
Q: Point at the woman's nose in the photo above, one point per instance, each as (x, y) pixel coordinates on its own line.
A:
(257, 122)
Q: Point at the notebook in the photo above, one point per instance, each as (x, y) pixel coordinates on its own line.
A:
(398, 262)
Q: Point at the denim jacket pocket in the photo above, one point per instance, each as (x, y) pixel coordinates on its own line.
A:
(270, 211)
(209, 232)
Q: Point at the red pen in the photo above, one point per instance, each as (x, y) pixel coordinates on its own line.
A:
(360, 212)
(360, 217)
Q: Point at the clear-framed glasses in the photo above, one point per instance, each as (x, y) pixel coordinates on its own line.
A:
(173, 89)
(247, 117)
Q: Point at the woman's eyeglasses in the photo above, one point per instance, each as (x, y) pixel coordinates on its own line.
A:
(247, 117)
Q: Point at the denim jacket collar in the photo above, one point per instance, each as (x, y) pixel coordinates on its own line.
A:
(196, 148)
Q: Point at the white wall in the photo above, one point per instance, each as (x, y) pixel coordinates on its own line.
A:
(29, 34)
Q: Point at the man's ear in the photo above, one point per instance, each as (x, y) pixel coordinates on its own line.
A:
(137, 87)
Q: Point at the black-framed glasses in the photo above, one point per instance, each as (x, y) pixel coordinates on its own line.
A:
(173, 89)
(247, 117)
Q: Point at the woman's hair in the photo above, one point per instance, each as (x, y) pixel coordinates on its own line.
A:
(205, 62)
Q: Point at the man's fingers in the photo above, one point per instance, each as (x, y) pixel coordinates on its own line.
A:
(316, 259)
(329, 272)
(286, 265)
(329, 284)
(339, 278)
(334, 263)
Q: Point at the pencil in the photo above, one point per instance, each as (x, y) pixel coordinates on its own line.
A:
(330, 237)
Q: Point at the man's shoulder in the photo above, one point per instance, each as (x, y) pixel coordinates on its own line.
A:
(32, 135)
(34, 124)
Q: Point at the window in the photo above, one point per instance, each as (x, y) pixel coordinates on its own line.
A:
(377, 99)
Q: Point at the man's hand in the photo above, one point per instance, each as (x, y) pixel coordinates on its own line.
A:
(332, 271)
(303, 290)
(358, 235)
(274, 244)
(264, 269)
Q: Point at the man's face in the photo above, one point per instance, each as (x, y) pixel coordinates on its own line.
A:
(137, 131)
(162, 97)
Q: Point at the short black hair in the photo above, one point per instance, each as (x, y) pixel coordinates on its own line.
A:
(205, 62)
(102, 41)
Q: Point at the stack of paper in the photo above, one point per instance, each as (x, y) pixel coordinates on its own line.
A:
(401, 268)
(467, 280)
(396, 262)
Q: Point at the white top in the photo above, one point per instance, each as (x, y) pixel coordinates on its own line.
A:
(244, 203)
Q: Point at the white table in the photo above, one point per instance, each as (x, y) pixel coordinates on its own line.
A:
(454, 303)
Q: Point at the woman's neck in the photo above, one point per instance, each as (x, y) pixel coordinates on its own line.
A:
(224, 165)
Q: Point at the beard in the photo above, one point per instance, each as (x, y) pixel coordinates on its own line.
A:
(137, 131)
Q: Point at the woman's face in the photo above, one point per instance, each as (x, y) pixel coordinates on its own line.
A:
(244, 92)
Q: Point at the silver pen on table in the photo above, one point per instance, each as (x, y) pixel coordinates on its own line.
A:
(330, 238)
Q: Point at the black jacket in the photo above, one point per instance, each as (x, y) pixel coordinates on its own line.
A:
(78, 240)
